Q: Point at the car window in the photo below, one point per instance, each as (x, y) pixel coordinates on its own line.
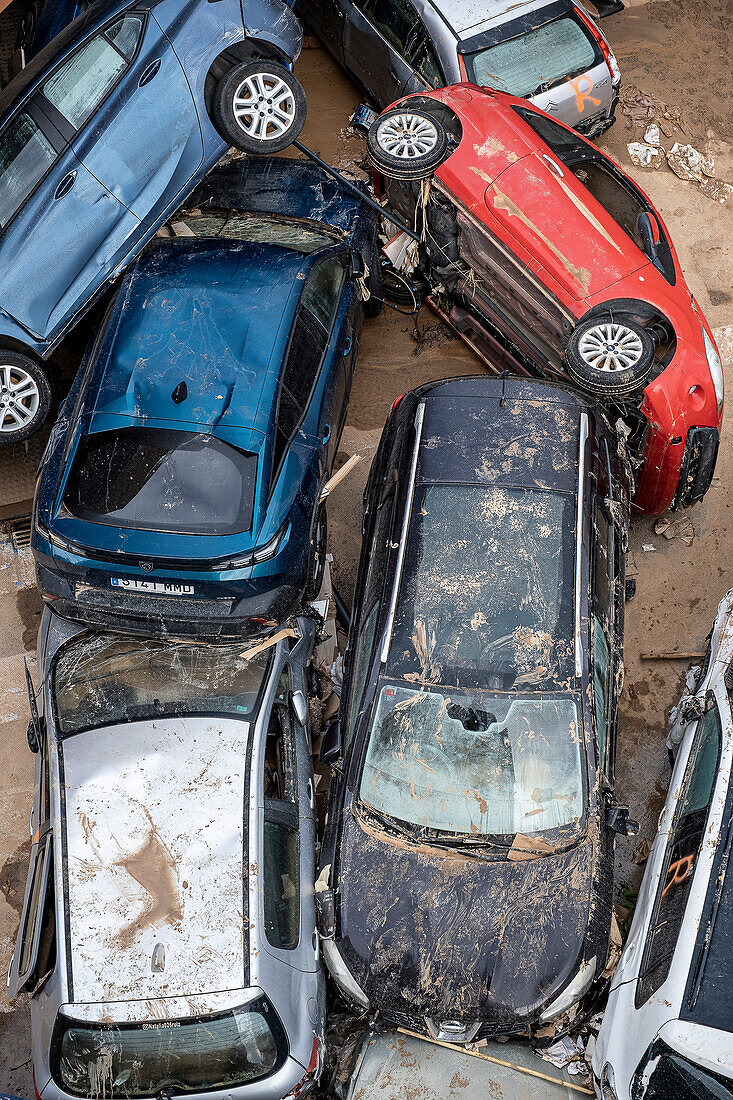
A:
(565, 143)
(166, 480)
(530, 63)
(418, 51)
(292, 233)
(394, 19)
(281, 885)
(361, 657)
(80, 85)
(26, 155)
(603, 566)
(681, 854)
(322, 290)
(280, 765)
(38, 941)
(474, 763)
(601, 687)
(618, 199)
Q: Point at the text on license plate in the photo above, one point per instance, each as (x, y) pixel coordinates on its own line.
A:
(156, 588)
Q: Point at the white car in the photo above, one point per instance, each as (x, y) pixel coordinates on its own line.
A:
(666, 1034)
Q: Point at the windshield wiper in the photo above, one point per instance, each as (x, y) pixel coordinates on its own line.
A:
(391, 823)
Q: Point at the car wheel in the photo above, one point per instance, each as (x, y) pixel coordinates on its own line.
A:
(406, 144)
(375, 304)
(317, 563)
(25, 397)
(610, 357)
(260, 107)
(404, 290)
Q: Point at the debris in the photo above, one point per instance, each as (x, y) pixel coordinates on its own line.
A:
(643, 109)
(622, 913)
(402, 252)
(647, 547)
(668, 655)
(645, 156)
(180, 229)
(566, 1052)
(689, 163)
(641, 852)
(339, 477)
(716, 189)
(363, 117)
(528, 847)
(615, 945)
(692, 678)
(680, 528)
(651, 134)
(267, 643)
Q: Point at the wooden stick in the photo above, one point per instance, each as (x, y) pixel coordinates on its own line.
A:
(339, 477)
(669, 656)
(497, 1061)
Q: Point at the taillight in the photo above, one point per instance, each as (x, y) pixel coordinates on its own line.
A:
(396, 403)
(608, 56)
(310, 1073)
(462, 68)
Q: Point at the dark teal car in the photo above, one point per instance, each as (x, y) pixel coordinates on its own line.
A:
(180, 492)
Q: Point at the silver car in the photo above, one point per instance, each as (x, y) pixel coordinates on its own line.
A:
(168, 928)
(548, 51)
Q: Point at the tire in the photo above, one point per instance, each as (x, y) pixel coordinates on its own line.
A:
(249, 88)
(406, 144)
(610, 357)
(403, 290)
(25, 397)
(317, 560)
(375, 304)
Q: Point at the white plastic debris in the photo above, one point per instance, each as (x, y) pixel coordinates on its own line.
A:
(651, 134)
(566, 1052)
(689, 163)
(645, 156)
(647, 547)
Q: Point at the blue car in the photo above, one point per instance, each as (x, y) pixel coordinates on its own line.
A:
(102, 136)
(180, 492)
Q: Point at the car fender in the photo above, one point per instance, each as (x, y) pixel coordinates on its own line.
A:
(270, 21)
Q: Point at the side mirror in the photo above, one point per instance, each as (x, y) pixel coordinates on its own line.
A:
(630, 589)
(648, 227)
(331, 743)
(618, 820)
(356, 265)
(299, 706)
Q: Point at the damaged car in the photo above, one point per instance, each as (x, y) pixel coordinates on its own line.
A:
(167, 936)
(547, 51)
(467, 863)
(102, 136)
(667, 1029)
(181, 489)
(548, 260)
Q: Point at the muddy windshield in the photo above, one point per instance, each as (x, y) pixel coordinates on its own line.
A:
(104, 679)
(230, 1049)
(533, 62)
(291, 233)
(487, 593)
(476, 764)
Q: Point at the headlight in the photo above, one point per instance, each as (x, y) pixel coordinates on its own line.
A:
(572, 993)
(342, 976)
(608, 1084)
(715, 367)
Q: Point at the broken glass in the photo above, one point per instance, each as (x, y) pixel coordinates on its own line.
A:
(292, 233)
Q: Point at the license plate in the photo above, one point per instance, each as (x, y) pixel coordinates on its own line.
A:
(153, 588)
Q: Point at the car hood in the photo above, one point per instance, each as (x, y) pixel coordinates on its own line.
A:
(557, 222)
(429, 932)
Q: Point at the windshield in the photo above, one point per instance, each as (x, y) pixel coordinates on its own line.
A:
(534, 61)
(162, 480)
(103, 679)
(290, 233)
(487, 595)
(214, 1052)
(476, 764)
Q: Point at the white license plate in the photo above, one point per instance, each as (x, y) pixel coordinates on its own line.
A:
(153, 588)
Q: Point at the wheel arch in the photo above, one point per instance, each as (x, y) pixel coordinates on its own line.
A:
(250, 49)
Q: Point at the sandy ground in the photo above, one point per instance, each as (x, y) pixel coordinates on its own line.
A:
(675, 49)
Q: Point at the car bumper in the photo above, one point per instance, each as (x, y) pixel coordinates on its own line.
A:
(598, 124)
(676, 474)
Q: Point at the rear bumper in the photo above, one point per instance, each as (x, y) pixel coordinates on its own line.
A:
(598, 124)
(676, 475)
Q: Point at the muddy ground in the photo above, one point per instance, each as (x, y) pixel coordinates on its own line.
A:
(674, 49)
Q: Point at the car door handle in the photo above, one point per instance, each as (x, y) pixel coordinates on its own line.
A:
(149, 73)
(310, 794)
(326, 434)
(392, 72)
(65, 186)
(347, 346)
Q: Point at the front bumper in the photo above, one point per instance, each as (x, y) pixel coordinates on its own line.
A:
(676, 474)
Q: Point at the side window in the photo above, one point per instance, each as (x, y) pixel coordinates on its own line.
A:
(681, 856)
(322, 290)
(601, 688)
(280, 776)
(36, 942)
(26, 155)
(80, 85)
(362, 658)
(603, 566)
(281, 884)
(394, 19)
(564, 143)
(421, 56)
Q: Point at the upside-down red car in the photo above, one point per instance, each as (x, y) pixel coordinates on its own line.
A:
(550, 261)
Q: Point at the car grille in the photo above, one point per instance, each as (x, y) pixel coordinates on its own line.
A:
(698, 466)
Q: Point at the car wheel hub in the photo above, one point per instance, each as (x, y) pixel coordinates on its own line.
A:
(610, 347)
(19, 398)
(407, 136)
(264, 106)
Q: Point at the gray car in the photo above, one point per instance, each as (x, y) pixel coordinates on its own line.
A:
(549, 51)
(168, 928)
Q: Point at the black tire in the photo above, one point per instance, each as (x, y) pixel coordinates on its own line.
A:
(317, 559)
(25, 397)
(610, 356)
(250, 78)
(403, 290)
(375, 303)
(420, 142)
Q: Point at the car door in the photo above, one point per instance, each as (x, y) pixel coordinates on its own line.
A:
(387, 48)
(130, 114)
(60, 229)
(326, 17)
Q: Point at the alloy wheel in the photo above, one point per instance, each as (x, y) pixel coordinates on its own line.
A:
(610, 347)
(19, 398)
(264, 106)
(407, 136)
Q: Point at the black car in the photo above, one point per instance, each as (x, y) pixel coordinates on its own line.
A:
(467, 864)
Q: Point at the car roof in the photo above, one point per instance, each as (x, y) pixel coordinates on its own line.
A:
(467, 17)
(215, 315)
(154, 836)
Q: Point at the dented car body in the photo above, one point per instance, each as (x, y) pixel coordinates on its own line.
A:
(168, 929)
(468, 845)
(180, 490)
(550, 261)
(667, 1028)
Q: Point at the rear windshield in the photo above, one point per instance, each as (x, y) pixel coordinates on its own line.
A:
(162, 480)
(103, 679)
(474, 764)
(223, 1051)
(532, 62)
(487, 595)
(290, 233)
